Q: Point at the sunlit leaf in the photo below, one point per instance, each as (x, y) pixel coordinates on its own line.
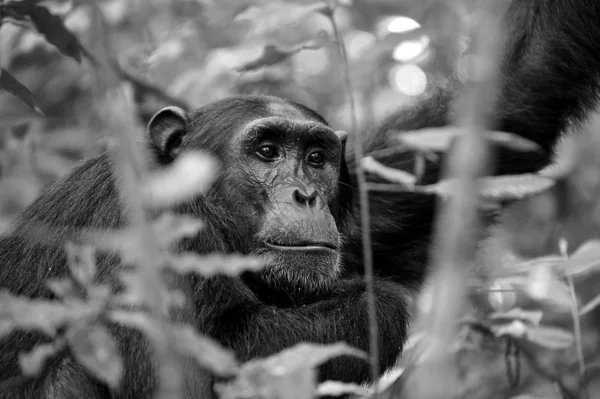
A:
(206, 351)
(370, 165)
(97, 351)
(17, 89)
(273, 54)
(442, 140)
(63, 287)
(272, 16)
(190, 175)
(336, 388)
(584, 261)
(499, 188)
(33, 362)
(170, 228)
(289, 373)
(210, 265)
(30, 314)
(530, 316)
(82, 263)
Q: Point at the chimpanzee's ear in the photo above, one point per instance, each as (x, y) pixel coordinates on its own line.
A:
(166, 130)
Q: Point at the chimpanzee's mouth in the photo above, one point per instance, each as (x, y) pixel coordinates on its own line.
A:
(303, 246)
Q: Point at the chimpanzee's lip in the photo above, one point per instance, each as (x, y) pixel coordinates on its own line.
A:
(303, 246)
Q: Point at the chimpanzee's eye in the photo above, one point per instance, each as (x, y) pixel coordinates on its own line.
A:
(316, 158)
(267, 152)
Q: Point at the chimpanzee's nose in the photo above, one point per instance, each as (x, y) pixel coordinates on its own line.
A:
(305, 197)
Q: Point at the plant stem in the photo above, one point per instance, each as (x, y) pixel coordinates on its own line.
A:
(365, 221)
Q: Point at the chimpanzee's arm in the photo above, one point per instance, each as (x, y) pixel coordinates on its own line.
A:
(252, 329)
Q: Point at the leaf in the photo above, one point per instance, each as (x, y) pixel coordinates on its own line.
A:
(276, 15)
(499, 188)
(273, 54)
(17, 89)
(33, 362)
(369, 164)
(55, 32)
(170, 228)
(336, 388)
(63, 287)
(82, 263)
(584, 261)
(27, 314)
(190, 175)
(591, 305)
(550, 337)
(289, 373)
(532, 317)
(206, 351)
(96, 350)
(310, 355)
(210, 265)
(443, 139)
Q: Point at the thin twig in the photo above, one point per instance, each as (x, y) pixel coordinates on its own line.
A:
(364, 208)
(575, 317)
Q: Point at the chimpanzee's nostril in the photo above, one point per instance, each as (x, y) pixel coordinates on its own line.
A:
(306, 198)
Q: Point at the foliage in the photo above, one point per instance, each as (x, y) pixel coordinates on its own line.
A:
(529, 326)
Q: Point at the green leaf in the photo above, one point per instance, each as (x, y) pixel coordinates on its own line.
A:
(55, 32)
(96, 350)
(33, 362)
(17, 89)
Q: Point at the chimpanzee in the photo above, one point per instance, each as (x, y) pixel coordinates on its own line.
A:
(287, 190)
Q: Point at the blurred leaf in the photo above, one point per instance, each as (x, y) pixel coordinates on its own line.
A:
(27, 314)
(442, 140)
(171, 228)
(369, 164)
(586, 260)
(63, 287)
(210, 265)
(277, 15)
(17, 89)
(591, 305)
(336, 388)
(206, 351)
(550, 337)
(33, 362)
(531, 316)
(82, 263)
(273, 54)
(53, 29)
(499, 188)
(190, 175)
(97, 351)
(289, 373)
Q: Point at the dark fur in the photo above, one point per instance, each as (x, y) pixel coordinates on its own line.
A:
(550, 77)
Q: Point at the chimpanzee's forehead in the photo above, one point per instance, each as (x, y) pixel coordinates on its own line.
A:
(285, 111)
